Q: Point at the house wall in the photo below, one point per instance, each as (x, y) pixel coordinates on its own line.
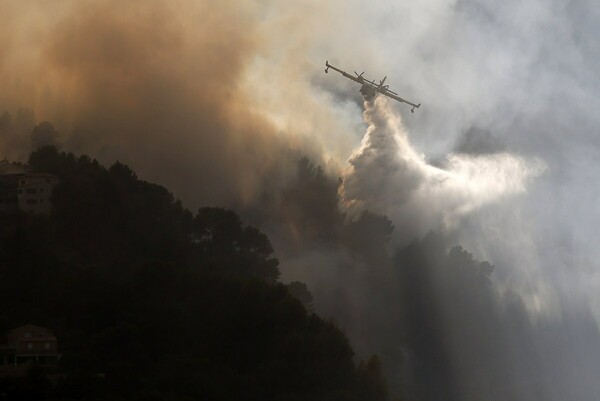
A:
(38, 346)
(26, 332)
(34, 193)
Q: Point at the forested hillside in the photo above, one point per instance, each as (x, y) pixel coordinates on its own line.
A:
(150, 301)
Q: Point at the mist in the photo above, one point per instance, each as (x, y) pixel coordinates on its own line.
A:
(220, 103)
(388, 176)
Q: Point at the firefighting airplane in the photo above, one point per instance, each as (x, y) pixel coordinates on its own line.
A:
(369, 88)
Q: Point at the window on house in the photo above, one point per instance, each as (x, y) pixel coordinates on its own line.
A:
(27, 334)
(31, 191)
(32, 202)
(47, 346)
(19, 191)
(30, 346)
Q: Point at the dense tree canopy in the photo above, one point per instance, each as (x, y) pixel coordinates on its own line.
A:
(152, 302)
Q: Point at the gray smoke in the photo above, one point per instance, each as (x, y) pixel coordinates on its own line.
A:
(219, 102)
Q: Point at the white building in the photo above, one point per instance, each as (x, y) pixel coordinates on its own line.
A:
(34, 191)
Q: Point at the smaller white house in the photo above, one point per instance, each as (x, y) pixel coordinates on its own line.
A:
(34, 191)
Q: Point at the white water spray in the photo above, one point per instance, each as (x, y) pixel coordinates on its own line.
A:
(387, 175)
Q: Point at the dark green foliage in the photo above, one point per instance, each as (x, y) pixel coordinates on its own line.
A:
(368, 236)
(300, 291)
(370, 384)
(444, 289)
(310, 206)
(96, 209)
(152, 303)
(220, 239)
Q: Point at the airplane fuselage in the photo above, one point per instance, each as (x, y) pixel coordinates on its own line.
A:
(368, 91)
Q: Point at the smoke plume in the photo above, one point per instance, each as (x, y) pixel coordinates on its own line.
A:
(154, 84)
(220, 102)
(388, 176)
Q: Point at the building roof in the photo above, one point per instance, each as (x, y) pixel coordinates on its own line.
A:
(38, 339)
(40, 175)
(30, 327)
(10, 168)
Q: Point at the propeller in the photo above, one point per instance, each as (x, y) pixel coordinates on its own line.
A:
(359, 75)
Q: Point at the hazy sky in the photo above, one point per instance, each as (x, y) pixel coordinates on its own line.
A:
(212, 99)
(519, 77)
(218, 100)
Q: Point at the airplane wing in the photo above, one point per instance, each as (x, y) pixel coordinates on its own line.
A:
(358, 79)
(370, 83)
(395, 96)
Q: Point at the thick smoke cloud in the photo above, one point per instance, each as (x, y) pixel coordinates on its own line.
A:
(155, 84)
(219, 102)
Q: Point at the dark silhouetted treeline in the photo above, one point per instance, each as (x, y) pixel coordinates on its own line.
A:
(443, 327)
(152, 302)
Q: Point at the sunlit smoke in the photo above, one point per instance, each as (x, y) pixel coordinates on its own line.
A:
(387, 175)
(217, 101)
(156, 85)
